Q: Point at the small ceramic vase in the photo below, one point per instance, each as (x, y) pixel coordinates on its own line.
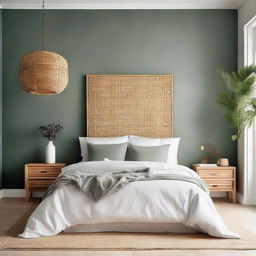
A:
(223, 162)
(50, 153)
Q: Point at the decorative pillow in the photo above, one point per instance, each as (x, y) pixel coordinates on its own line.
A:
(98, 140)
(98, 152)
(173, 149)
(150, 154)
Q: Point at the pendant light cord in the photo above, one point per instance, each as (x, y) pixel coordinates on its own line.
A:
(43, 42)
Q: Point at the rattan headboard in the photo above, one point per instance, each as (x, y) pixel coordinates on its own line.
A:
(129, 104)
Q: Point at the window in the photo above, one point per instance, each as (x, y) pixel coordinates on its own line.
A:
(249, 141)
(250, 42)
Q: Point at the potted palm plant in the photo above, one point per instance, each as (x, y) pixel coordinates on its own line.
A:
(237, 98)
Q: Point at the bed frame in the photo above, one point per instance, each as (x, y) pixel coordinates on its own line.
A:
(129, 104)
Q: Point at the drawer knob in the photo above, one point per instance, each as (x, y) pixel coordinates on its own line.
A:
(43, 171)
(215, 186)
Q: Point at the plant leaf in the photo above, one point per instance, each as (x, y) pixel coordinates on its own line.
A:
(236, 97)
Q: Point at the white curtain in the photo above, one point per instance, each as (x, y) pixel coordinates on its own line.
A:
(247, 142)
(249, 191)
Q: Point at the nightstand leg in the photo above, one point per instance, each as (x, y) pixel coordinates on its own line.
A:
(230, 196)
(234, 196)
(28, 195)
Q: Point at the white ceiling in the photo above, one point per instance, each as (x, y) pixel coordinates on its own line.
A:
(122, 4)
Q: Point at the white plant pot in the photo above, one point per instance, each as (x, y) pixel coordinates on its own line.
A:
(50, 153)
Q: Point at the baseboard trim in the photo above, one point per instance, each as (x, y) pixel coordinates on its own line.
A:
(18, 193)
(218, 194)
(243, 200)
(13, 192)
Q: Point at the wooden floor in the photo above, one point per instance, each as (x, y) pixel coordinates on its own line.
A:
(12, 208)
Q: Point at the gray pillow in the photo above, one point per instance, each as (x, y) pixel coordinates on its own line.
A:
(97, 152)
(150, 154)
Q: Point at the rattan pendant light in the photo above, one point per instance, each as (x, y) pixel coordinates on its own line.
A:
(43, 72)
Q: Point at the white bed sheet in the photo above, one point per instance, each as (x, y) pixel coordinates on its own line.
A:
(153, 202)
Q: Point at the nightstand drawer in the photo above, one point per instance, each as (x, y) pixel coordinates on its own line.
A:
(42, 184)
(39, 176)
(219, 184)
(219, 178)
(215, 174)
(220, 188)
(44, 171)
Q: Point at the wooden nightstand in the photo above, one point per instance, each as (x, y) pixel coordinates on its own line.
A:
(39, 176)
(219, 178)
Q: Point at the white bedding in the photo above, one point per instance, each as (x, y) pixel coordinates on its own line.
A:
(154, 202)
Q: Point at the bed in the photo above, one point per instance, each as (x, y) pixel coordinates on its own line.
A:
(128, 183)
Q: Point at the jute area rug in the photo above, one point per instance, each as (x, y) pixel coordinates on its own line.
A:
(233, 217)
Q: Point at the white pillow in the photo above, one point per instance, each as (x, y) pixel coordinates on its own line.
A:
(98, 140)
(148, 142)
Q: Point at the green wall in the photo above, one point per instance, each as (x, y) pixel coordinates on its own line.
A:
(1, 103)
(191, 44)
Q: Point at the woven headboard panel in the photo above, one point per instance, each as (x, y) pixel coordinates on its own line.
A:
(129, 104)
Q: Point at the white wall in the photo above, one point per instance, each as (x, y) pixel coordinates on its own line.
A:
(246, 12)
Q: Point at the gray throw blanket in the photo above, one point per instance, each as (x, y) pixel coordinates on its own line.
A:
(99, 184)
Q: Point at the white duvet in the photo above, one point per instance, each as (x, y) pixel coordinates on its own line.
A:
(155, 202)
